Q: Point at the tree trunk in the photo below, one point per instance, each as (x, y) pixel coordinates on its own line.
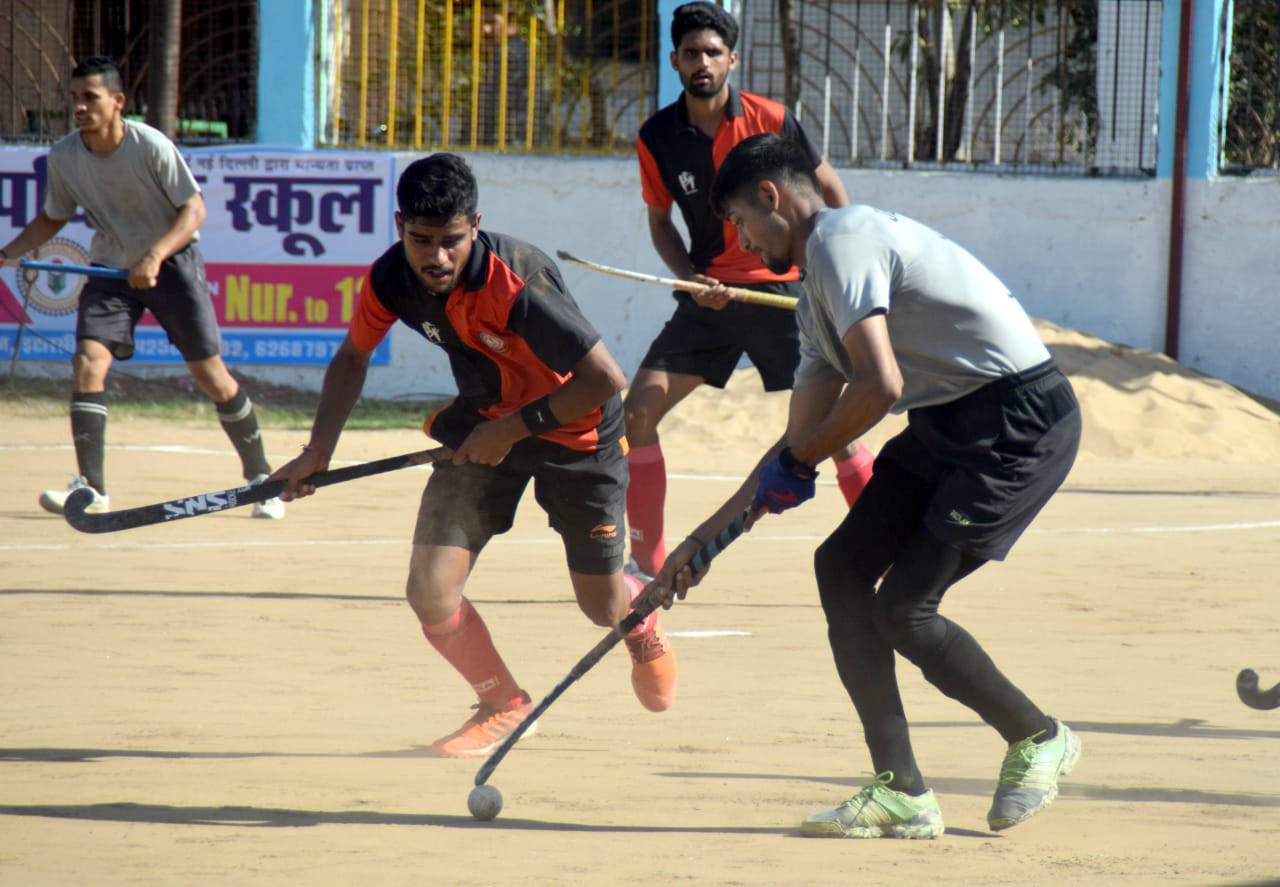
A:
(165, 49)
(790, 35)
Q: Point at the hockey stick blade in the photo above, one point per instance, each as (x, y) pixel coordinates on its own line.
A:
(643, 608)
(1250, 695)
(221, 500)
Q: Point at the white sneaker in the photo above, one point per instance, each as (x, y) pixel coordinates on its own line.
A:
(270, 509)
(54, 501)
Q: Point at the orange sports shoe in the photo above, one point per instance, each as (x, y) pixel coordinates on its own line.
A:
(485, 730)
(653, 668)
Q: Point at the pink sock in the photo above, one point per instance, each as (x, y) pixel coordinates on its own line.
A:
(646, 497)
(634, 587)
(852, 474)
(464, 641)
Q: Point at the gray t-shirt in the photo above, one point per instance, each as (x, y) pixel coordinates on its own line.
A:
(131, 196)
(952, 324)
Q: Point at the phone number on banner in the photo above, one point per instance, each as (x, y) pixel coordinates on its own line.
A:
(312, 348)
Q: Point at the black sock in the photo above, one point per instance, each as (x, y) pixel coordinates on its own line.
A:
(1050, 731)
(241, 425)
(89, 434)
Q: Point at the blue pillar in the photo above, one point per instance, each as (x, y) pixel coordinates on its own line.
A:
(1209, 78)
(669, 87)
(286, 73)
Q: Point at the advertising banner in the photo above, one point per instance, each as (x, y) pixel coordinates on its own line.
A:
(288, 239)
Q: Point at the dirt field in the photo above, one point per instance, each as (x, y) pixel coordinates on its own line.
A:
(230, 701)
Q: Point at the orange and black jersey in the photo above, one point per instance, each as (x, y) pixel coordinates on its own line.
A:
(512, 332)
(678, 163)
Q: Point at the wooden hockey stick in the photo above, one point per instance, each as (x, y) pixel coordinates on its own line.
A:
(737, 293)
(221, 500)
(643, 608)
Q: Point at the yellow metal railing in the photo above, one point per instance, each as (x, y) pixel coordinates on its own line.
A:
(502, 75)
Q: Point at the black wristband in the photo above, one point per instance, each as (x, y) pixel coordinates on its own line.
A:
(794, 466)
(538, 417)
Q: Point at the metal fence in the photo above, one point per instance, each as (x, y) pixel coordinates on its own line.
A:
(41, 40)
(1066, 86)
(1037, 85)
(559, 75)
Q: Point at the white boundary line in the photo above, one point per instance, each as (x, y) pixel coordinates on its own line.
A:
(261, 543)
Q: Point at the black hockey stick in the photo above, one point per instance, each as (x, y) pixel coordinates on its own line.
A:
(1250, 695)
(642, 609)
(221, 500)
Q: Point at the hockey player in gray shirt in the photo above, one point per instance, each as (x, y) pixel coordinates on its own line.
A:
(897, 318)
(146, 211)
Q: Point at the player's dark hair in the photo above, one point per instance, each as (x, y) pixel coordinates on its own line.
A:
(437, 188)
(100, 66)
(759, 157)
(703, 16)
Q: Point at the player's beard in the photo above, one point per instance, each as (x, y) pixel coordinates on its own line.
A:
(433, 285)
(705, 89)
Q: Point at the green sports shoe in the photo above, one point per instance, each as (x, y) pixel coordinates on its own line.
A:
(879, 812)
(1029, 776)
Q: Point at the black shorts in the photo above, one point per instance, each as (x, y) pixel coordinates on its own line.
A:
(110, 309)
(583, 494)
(994, 457)
(708, 344)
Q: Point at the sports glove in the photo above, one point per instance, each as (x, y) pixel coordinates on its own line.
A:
(784, 483)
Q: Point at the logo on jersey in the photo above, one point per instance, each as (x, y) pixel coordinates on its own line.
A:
(959, 517)
(688, 183)
(604, 531)
(432, 331)
(492, 342)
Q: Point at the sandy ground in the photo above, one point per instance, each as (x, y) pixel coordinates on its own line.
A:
(230, 701)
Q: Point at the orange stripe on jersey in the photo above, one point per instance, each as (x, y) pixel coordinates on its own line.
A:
(652, 189)
(736, 265)
(371, 319)
(480, 320)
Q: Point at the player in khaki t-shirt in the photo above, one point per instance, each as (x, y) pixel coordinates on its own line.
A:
(146, 209)
(896, 317)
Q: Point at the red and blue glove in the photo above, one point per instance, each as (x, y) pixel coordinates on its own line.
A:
(784, 483)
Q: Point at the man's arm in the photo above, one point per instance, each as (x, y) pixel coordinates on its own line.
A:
(832, 187)
(343, 381)
(669, 244)
(191, 216)
(595, 378)
(876, 387)
(807, 407)
(36, 233)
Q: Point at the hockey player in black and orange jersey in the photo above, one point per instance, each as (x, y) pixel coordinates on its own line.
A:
(679, 149)
(538, 399)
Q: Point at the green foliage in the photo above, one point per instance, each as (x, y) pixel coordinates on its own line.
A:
(1251, 130)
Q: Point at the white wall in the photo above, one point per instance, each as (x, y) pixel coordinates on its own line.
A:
(1090, 254)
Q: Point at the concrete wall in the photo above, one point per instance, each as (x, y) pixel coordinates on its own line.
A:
(1090, 254)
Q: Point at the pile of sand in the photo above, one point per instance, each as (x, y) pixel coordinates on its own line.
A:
(1137, 405)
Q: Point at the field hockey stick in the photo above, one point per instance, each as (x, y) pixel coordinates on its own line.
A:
(221, 500)
(643, 608)
(86, 270)
(737, 293)
(1250, 695)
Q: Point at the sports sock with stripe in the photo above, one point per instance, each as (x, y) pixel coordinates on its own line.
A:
(241, 425)
(89, 434)
(464, 641)
(853, 474)
(646, 498)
